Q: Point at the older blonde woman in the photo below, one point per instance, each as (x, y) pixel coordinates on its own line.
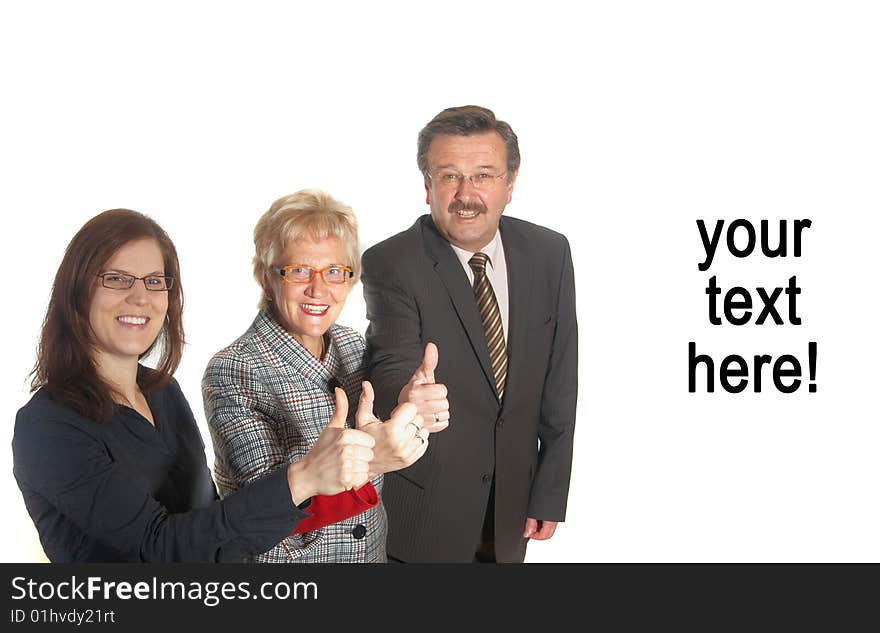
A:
(269, 394)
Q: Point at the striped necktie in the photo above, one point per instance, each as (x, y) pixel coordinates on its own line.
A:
(491, 316)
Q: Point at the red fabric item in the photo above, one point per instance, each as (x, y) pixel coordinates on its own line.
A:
(329, 509)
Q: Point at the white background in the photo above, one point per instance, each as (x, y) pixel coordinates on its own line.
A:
(634, 118)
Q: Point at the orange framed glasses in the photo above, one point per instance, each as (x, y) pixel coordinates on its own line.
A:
(301, 274)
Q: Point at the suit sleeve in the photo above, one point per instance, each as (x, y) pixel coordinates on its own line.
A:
(549, 493)
(394, 341)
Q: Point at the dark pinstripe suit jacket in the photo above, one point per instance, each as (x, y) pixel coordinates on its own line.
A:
(416, 292)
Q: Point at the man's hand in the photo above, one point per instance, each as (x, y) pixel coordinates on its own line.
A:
(428, 397)
(400, 441)
(539, 530)
(339, 460)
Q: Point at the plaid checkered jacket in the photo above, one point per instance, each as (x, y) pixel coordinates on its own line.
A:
(267, 399)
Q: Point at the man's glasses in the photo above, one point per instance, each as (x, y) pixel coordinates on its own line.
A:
(453, 179)
(121, 281)
(298, 274)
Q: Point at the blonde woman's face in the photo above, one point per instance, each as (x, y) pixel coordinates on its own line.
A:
(307, 310)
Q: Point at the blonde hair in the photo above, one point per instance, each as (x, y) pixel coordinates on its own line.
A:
(309, 212)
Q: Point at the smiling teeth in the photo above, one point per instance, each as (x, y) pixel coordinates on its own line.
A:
(467, 214)
(312, 309)
(133, 320)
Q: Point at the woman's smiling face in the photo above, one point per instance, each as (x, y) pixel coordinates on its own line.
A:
(307, 310)
(126, 322)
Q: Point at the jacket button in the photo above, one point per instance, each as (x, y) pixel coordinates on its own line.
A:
(359, 531)
(486, 479)
(500, 422)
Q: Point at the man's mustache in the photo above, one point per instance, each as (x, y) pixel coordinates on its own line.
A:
(475, 205)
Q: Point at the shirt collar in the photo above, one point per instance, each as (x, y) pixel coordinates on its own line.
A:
(490, 249)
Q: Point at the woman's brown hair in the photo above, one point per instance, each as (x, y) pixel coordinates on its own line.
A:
(65, 364)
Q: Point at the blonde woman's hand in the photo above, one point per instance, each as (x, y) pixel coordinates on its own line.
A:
(400, 440)
(339, 460)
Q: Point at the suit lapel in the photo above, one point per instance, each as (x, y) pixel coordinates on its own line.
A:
(519, 288)
(461, 293)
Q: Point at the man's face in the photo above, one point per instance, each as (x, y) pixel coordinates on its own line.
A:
(468, 216)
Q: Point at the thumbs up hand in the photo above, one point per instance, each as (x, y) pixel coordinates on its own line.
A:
(425, 373)
(364, 415)
(339, 460)
(400, 440)
(428, 397)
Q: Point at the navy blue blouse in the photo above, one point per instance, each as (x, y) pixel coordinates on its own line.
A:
(125, 490)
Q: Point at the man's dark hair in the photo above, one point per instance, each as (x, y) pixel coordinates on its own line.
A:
(465, 121)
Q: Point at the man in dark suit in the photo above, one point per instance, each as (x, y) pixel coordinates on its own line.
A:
(496, 295)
